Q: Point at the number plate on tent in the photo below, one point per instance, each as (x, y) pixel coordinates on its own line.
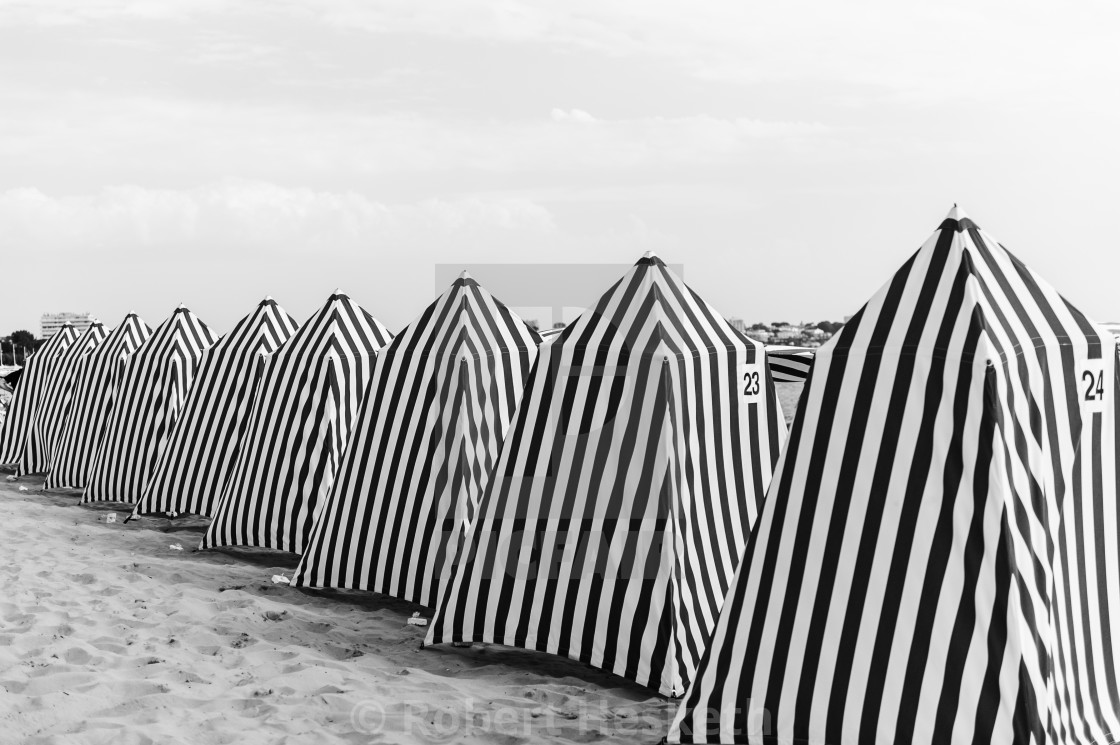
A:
(1092, 386)
(751, 380)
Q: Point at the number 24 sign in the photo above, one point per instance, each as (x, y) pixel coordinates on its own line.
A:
(1093, 388)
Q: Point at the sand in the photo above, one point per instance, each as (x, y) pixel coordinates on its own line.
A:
(110, 635)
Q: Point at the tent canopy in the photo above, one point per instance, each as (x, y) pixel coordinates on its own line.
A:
(625, 489)
(936, 556)
(154, 381)
(301, 419)
(206, 438)
(428, 433)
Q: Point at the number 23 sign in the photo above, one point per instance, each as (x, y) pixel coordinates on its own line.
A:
(750, 381)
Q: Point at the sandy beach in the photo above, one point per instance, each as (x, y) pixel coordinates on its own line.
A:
(110, 634)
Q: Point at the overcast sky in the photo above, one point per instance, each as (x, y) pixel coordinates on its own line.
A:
(789, 154)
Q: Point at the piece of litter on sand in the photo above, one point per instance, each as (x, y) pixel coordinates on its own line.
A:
(416, 620)
(175, 547)
(12, 478)
(460, 644)
(111, 517)
(23, 488)
(280, 579)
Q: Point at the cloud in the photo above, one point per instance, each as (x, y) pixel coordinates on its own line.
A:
(149, 137)
(250, 216)
(973, 50)
(220, 247)
(575, 115)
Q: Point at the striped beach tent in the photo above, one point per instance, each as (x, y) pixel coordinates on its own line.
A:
(427, 435)
(154, 381)
(936, 560)
(625, 489)
(35, 387)
(55, 404)
(790, 364)
(90, 404)
(308, 398)
(206, 438)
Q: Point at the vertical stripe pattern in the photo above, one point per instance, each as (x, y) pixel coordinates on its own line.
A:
(625, 489)
(91, 402)
(153, 384)
(301, 420)
(39, 374)
(55, 404)
(936, 557)
(207, 436)
(429, 430)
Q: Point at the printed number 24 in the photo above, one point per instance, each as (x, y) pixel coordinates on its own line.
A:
(1095, 389)
(751, 381)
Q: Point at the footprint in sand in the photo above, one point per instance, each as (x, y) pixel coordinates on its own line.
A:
(76, 656)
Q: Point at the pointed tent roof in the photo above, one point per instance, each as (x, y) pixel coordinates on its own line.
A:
(91, 403)
(34, 387)
(428, 433)
(930, 562)
(206, 439)
(625, 488)
(153, 384)
(658, 312)
(309, 393)
(51, 414)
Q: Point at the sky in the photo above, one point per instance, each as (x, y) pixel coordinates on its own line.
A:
(789, 155)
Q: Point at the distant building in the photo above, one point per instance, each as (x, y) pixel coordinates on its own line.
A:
(51, 323)
(738, 324)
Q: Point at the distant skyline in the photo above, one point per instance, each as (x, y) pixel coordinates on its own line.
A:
(789, 155)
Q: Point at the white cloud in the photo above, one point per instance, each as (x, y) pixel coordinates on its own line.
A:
(250, 216)
(204, 140)
(974, 49)
(575, 115)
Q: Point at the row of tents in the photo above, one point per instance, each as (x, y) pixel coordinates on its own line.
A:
(930, 555)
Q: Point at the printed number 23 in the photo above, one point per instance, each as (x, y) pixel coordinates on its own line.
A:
(750, 380)
(1094, 391)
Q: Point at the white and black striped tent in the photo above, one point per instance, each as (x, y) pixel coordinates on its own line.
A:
(206, 439)
(39, 375)
(429, 430)
(154, 381)
(309, 395)
(50, 417)
(936, 560)
(790, 364)
(90, 404)
(625, 489)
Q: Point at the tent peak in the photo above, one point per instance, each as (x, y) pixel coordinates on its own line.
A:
(958, 219)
